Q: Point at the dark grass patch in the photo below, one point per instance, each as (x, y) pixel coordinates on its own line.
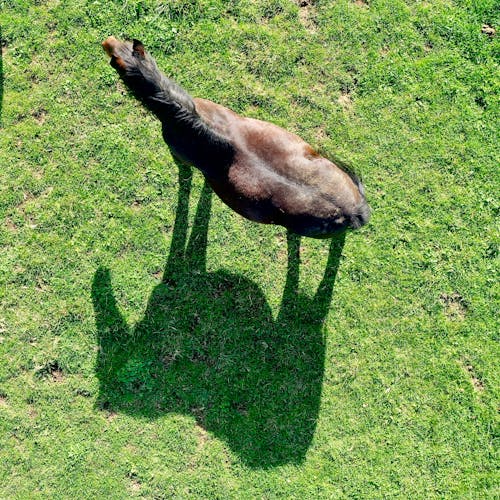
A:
(455, 306)
(476, 382)
(3, 399)
(50, 370)
(306, 15)
(488, 30)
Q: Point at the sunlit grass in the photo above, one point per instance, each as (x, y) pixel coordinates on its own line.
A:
(228, 379)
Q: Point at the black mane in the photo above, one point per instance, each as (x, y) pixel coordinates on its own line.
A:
(189, 137)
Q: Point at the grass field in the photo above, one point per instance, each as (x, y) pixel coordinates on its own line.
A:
(155, 344)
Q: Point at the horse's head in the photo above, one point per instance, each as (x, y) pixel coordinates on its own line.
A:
(134, 65)
(125, 56)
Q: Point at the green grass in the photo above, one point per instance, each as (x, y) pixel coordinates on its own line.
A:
(364, 370)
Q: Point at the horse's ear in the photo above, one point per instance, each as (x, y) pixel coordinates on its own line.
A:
(138, 49)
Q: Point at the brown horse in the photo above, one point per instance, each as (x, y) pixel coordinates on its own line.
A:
(261, 171)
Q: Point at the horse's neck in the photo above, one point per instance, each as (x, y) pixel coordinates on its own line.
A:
(191, 140)
(195, 143)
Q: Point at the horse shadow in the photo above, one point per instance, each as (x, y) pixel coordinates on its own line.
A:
(208, 346)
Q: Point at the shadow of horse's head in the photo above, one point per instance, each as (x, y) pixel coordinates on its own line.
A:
(208, 346)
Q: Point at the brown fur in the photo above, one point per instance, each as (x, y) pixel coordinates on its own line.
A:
(261, 171)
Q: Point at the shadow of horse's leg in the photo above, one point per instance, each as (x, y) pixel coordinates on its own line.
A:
(193, 255)
(290, 292)
(179, 233)
(196, 251)
(112, 331)
(317, 309)
(323, 296)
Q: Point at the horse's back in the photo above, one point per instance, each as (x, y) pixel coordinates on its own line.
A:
(276, 177)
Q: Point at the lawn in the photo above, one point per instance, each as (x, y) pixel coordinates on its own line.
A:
(155, 344)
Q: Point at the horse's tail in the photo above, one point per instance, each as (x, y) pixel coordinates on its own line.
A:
(362, 213)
